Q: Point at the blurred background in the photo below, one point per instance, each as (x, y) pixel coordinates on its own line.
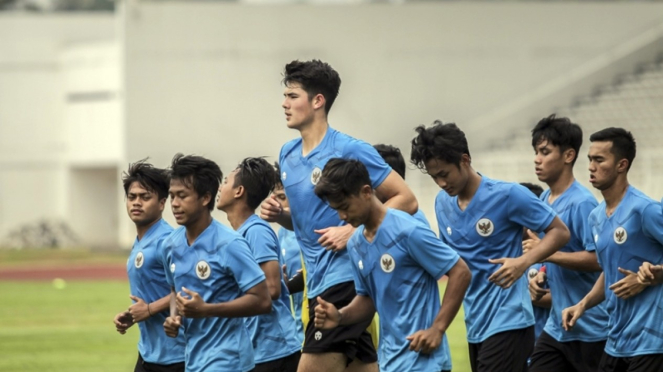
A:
(88, 86)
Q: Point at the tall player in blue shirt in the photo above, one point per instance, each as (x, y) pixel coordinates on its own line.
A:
(483, 220)
(146, 191)
(214, 279)
(310, 90)
(396, 262)
(574, 269)
(274, 335)
(628, 230)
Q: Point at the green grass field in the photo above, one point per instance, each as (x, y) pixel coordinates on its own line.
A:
(47, 329)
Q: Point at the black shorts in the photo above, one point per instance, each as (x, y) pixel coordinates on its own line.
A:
(551, 355)
(285, 364)
(640, 363)
(143, 366)
(352, 340)
(503, 352)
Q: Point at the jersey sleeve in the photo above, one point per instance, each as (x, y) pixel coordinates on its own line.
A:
(580, 224)
(430, 252)
(360, 285)
(525, 209)
(652, 222)
(263, 243)
(165, 252)
(242, 265)
(377, 168)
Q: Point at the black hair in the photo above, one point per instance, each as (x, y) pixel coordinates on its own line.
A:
(315, 77)
(150, 178)
(623, 143)
(258, 178)
(200, 174)
(534, 188)
(277, 182)
(440, 141)
(560, 132)
(342, 178)
(392, 156)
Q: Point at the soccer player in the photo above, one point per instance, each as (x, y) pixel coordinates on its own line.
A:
(273, 335)
(573, 269)
(292, 257)
(542, 303)
(146, 191)
(628, 230)
(310, 90)
(392, 156)
(214, 279)
(483, 220)
(396, 262)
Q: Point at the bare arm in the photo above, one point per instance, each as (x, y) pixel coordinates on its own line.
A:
(327, 316)
(544, 302)
(597, 295)
(272, 271)
(272, 211)
(395, 193)
(255, 301)
(580, 261)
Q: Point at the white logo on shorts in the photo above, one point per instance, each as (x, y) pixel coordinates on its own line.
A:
(387, 263)
(532, 273)
(203, 270)
(172, 268)
(361, 265)
(138, 262)
(485, 227)
(315, 175)
(448, 230)
(318, 336)
(620, 235)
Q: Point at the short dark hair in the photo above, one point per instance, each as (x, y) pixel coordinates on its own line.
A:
(258, 178)
(342, 178)
(200, 174)
(315, 77)
(440, 141)
(150, 178)
(560, 132)
(277, 168)
(392, 156)
(534, 188)
(623, 143)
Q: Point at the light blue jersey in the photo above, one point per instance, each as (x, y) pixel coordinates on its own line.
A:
(293, 260)
(541, 314)
(145, 268)
(421, 217)
(220, 267)
(299, 176)
(273, 335)
(568, 287)
(631, 236)
(399, 270)
(492, 227)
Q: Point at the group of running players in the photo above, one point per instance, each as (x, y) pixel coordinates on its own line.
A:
(207, 297)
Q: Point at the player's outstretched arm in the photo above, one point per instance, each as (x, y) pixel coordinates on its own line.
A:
(579, 261)
(395, 193)
(650, 274)
(272, 211)
(255, 301)
(327, 316)
(628, 286)
(571, 314)
(141, 310)
(428, 340)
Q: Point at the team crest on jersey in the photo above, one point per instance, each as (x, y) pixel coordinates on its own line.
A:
(531, 274)
(361, 265)
(172, 268)
(620, 235)
(448, 230)
(138, 261)
(315, 175)
(284, 176)
(318, 336)
(203, 270)
(387, 263)
(485, 227)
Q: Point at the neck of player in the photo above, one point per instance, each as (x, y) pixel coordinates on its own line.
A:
(237, 214)
(313, 133)
(614, 194)
(195, 228)
(141, 230)
(471, 187)
(561, 184)
(375, 217)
